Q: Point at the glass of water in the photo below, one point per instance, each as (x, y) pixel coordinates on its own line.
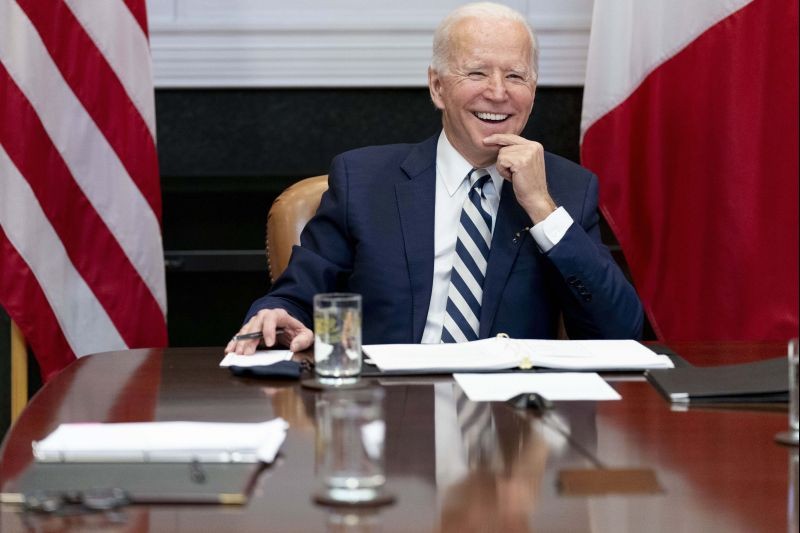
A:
(350, 444)
(337, 342)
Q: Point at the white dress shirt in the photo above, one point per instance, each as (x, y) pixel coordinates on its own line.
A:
(452, 188)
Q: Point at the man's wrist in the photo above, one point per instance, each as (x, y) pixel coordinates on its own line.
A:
(552, 229)
(540, 209)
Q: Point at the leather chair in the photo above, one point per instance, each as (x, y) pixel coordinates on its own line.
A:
(287, 217)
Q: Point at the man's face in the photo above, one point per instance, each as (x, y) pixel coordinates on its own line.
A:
(488, 87)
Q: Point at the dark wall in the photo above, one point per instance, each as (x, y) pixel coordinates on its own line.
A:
(226, 154)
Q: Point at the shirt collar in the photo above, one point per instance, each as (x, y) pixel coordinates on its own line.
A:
(452, 168)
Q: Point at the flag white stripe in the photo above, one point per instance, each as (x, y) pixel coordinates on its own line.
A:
(83, 320)
(85, 150)
(661, 28)
(118, 36)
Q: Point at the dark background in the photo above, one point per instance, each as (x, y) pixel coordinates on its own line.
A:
(226, 154)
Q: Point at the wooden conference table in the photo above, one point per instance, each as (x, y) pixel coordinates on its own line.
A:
(716, 469)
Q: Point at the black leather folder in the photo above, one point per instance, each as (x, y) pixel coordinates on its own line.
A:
(764, 381)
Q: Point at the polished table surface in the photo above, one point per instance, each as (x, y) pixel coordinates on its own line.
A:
(718, 469)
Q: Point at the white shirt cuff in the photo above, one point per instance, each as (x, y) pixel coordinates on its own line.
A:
(549, 231)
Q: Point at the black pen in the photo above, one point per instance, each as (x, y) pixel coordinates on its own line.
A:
(254, 335)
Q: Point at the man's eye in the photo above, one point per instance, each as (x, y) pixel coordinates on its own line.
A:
(476, 74)
(515, 77)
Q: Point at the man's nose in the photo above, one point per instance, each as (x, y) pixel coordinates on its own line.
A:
(496, 87)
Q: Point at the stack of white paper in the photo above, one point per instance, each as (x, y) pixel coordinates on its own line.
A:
(211, 442)
(502, 353)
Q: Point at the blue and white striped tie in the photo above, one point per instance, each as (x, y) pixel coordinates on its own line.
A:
(465, 294)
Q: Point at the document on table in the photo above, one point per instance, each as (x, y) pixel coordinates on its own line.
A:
(261, 357)
(555, 386)
(174, 442)
(502, 353)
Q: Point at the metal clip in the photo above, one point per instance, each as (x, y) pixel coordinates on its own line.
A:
(525, 362)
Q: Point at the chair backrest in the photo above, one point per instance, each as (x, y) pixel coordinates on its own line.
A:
(287, 217)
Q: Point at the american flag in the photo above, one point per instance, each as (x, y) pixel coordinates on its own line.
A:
(81, 256)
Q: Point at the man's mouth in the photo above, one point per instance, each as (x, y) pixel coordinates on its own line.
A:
(492, 118)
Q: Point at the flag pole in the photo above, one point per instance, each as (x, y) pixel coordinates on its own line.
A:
(19, 372)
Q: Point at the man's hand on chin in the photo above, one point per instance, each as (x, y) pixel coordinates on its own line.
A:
(521, 162)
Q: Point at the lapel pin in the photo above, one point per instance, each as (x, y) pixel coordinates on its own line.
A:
(518, 235)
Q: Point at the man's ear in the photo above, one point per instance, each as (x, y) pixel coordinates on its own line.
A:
(533, 95)
(435, 88)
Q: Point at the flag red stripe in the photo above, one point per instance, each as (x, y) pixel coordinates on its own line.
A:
(92, 248)
(20, 292)
(137, 9)
(100, 92)
(699, 171)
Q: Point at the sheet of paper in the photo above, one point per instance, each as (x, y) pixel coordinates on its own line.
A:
(503, 353)
(555, 386)
(261, 357)
(590, 354)
(484, 354)
(164, 442)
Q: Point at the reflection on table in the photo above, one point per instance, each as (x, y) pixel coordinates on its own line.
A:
(719, 469)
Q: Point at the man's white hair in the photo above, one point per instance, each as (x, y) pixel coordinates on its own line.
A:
(442, 37)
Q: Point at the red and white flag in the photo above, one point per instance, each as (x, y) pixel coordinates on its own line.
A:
(690, 120)
(81, 257)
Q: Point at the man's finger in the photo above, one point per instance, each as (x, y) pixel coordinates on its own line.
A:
(504, 139)
(269, 322)
(241, 347)
(248, 347)
(505, 172)
(275, 322)
(230, 347)
(302, 340)
(238, 345)
(290, 322)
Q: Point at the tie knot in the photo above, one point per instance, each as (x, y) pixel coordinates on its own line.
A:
(478, 178)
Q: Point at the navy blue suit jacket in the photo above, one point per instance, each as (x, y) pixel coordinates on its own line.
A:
(374, 235)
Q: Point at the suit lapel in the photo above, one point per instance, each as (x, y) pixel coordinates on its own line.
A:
(511, 218)
(416, 201)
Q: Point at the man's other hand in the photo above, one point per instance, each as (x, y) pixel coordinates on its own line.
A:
(275, 325)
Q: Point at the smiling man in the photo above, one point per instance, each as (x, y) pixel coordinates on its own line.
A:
(473, 232)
